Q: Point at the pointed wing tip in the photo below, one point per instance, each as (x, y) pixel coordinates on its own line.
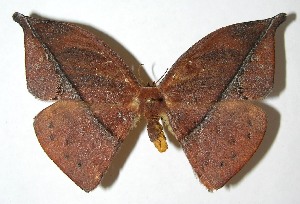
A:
(279, 18)
(280, 15)
(18, 17)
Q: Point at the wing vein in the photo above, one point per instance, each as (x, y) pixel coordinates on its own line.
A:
(242, 68)
(224, 93)
(67, 83)
(64, 80)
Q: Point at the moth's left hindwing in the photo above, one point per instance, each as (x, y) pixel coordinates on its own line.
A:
(96, 94)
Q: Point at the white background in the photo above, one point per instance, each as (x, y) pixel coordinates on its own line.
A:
(154, 33)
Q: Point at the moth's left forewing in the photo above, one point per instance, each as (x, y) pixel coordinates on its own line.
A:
(233, 63)
(64, 61)
(96, 91)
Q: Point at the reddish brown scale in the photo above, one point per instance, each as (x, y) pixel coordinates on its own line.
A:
(152, 102)
(202, 98)
(84, 152)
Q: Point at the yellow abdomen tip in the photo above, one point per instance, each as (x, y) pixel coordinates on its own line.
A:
(161, 144)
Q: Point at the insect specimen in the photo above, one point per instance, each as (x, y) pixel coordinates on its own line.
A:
(204, 100)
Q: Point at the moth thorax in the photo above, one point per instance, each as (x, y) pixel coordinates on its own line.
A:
(152, 102)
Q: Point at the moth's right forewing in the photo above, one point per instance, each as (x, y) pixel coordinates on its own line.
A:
(234, 62)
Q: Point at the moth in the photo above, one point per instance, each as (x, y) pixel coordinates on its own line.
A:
(204, 99)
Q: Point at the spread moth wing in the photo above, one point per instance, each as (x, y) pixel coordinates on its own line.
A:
(66, 62)
(72, 137)
(224, 143)
(233, 63)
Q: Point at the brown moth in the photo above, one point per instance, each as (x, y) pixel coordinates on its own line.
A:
(204, 99)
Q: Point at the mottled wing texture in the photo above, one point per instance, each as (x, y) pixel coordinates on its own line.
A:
(76, 141)
(223, 144)
(66, 62)
(204, 91)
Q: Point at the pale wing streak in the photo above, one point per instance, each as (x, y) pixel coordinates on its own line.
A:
(65, 82)
(224, 93)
